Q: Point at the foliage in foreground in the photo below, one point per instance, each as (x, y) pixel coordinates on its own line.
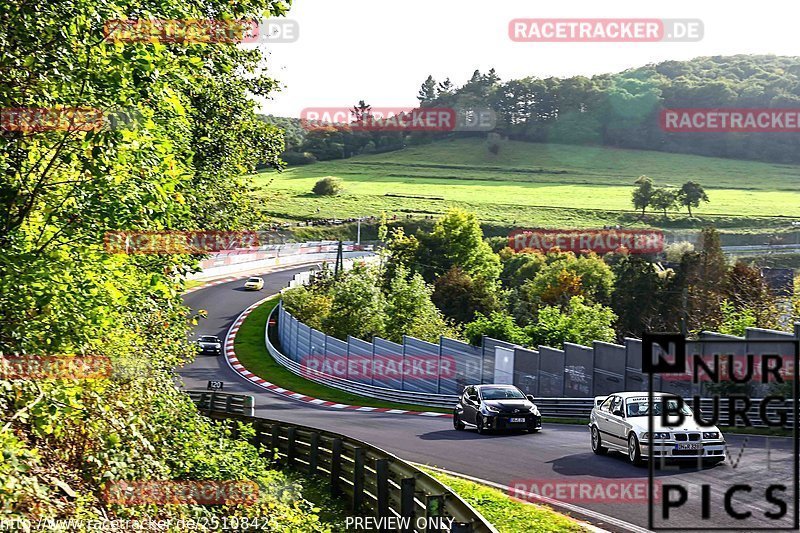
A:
(175, 166)
(67, 441)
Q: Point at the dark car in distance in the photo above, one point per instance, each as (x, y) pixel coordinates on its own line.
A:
(209, 345)
(496, 407)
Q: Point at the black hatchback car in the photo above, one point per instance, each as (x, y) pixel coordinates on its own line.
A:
(209, 344)
(496, 407)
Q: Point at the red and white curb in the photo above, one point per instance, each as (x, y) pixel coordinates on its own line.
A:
(236, 366)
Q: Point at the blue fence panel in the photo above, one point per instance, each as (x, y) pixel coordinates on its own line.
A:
(609, 368)
(303, 344)
(360, 360)
(387, 364)
(447, 367)
(282, 324)
(635, 379)
(526, 370)
(420, 366)
(551, 372)
(317, 347)
(489, 345)
(291, 341)
(336, 356)
(578, 371)
(468, 361)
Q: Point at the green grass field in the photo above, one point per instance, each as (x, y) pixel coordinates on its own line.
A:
(536, 184)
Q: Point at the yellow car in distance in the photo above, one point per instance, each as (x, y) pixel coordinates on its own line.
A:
(254, 284)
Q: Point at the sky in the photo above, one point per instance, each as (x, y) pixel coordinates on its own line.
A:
(382, 50)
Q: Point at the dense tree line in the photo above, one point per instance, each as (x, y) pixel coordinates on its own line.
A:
(617, 110)
(623, 109)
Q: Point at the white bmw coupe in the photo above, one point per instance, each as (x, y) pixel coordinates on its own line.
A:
(620, 422)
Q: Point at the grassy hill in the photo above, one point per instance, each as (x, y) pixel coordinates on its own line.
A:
(530, 184)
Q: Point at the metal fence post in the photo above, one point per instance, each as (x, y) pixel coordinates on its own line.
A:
(313, 454)
(336, 466)
(291, 433)
(294, 355)
(483, 355)
(407, 507)
(439, 367)
(347, 361)
(402, 366)
(434, 509)
(358, 479)
(382, 491)
(372, 363)
(275, 441)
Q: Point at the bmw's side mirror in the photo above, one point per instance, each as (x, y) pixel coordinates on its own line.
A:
(530, 397)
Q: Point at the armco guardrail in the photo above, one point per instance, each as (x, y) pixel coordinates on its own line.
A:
(373, 480)
(400, 396)
(574, 371)
(233, 261)
(222, 402)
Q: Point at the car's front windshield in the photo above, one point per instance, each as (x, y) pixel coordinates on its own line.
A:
(501, 393)
(253, 280)
(208, 338)
(641, 407)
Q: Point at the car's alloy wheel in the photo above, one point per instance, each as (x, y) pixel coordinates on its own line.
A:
(457, 423)
(597, 446)
(479, 422)
(634, 454)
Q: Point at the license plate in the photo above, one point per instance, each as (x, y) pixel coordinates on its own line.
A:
(512, 420)
(690, 446)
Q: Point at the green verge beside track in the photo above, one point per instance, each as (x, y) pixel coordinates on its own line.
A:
(507, 514)
(253, 354)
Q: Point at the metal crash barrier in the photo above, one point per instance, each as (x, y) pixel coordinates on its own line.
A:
(373, 481)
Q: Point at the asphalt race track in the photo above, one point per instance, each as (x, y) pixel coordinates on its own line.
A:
(560, 453)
